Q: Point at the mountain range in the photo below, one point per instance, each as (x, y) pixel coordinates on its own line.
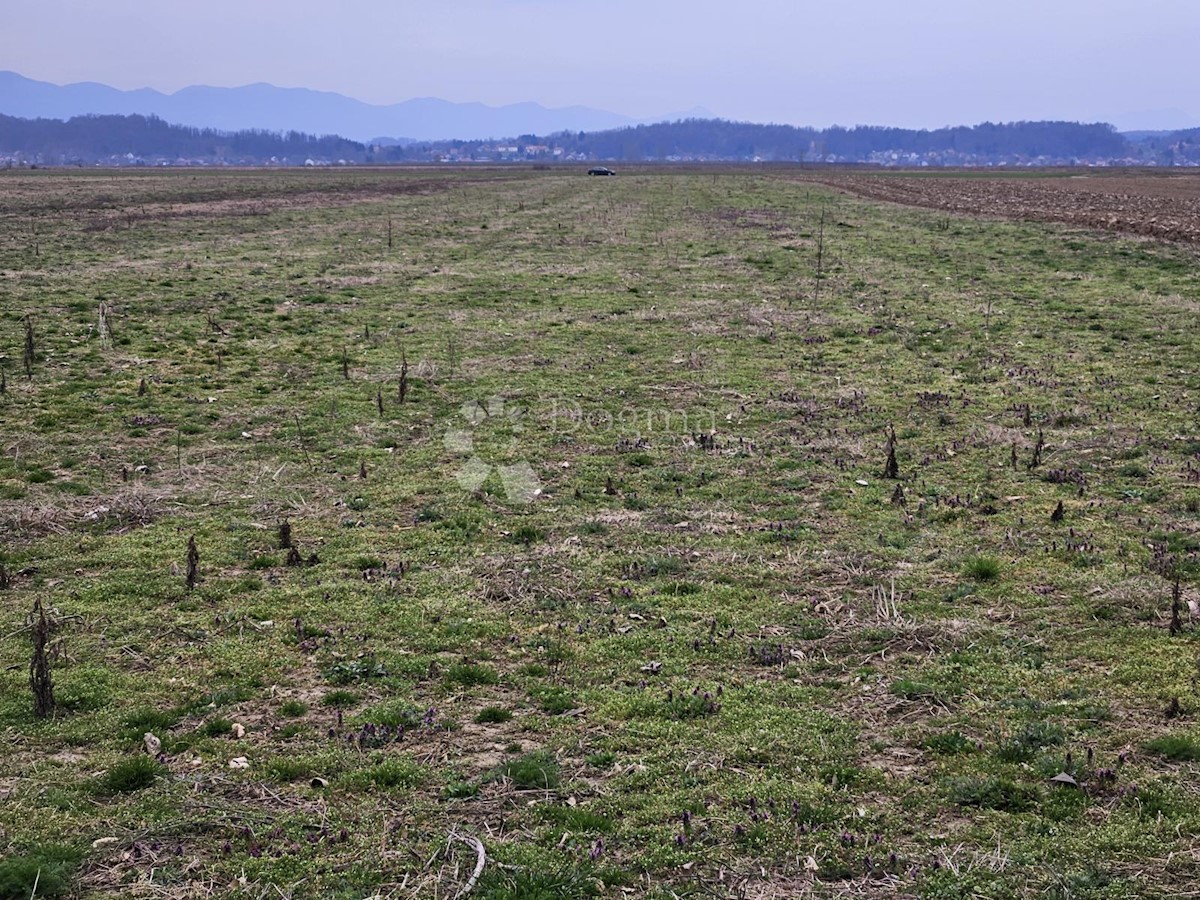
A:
(264, 106)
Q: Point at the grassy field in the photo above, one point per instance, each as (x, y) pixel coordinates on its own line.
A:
(543, 523)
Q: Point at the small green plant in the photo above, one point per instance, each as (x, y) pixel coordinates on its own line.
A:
(157, 721)
(601, 759)
(577, 818)
(981, 568)
(293, 708)
(990, 792)
(914, 690)
(553, 700)
(525, 883)
(681, 705)
(216, 727)
(390, 773)
(289, 768)
(132, 774)
(352, 671)
(949, 743)
(340, 698)
(393, 714)
(46, 871)
(1025, 743)
(526, 535)
(1178, 747)
(538, 770)
(472, 675)
(492, 715)
(461, 790)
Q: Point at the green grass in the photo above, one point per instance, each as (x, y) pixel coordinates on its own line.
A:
(712, 604)
(1179, 747)
(293, 708)
(472, 675)
(133, 774)
(46, 871)
(991, 792)
(982, 568)
(492, 715)
(531, 771)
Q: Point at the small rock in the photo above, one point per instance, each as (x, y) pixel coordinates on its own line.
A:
(1064, 778)
(239, 762)
(153, 744)
(239, 731)
(104, 842)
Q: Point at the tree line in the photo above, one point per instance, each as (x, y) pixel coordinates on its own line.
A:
(103, 137)
(136, 138)
(718, 139)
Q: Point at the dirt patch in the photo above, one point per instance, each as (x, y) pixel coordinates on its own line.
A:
(1161, 206)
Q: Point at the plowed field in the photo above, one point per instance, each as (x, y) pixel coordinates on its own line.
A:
(1160, 205)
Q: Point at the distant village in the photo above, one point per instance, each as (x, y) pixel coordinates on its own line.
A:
(512, 153)
(499, 153)
(157, 144)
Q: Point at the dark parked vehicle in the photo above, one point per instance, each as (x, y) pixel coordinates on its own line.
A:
(601, 170)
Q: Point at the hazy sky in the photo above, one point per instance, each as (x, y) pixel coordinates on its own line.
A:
(920, 63)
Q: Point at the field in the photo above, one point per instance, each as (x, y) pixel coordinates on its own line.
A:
(1162, 205)
(711, 533)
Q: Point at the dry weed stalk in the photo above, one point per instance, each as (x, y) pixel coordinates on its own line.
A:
(1036, 459)
(1176, 625)
(820, 257)
(887, 602)
(30, 353)
(104, 324)
(891, 468)
(40, 682)
(193, 563)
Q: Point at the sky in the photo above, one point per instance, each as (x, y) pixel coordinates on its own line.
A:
(909, 63)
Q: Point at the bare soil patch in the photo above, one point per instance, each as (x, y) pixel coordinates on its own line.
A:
(1163, 206)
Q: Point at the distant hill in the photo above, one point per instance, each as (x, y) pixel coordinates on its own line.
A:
(264, 106)
(708, 139)
(140, 140)
(136, 140)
